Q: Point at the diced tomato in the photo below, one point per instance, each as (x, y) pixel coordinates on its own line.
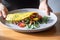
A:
(21, 24)
(40, 17)
(31, 17)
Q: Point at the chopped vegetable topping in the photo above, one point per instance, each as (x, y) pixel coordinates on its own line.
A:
(29, 19)
(21, 24)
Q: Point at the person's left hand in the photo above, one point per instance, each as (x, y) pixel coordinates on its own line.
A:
(44, 6)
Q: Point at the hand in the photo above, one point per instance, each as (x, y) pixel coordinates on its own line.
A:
(44, 6)
(3, 11)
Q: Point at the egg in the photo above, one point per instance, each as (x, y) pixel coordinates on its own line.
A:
(18, 16)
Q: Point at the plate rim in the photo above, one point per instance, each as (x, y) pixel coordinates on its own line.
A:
(36, 29)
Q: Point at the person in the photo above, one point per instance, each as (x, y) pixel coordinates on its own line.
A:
(9, 5)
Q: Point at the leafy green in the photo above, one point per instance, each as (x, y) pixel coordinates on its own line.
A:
(45, 19)
(29, 26)
(27, 20)
(36, 24)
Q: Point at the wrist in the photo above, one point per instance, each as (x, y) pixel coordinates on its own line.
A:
(45, 1)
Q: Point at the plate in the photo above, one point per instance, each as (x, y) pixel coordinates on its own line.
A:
(51, 22)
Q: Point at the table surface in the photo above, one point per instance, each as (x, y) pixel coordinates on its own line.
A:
(50, 34)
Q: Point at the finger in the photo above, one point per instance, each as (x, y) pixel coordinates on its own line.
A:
(50, 9)
(47, 12)
(42, 8)
(3, 14)
(6, 10)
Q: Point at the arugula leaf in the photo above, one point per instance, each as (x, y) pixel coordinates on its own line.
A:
(27, 20)
(36, 24)
(29, 26)
(45, 19)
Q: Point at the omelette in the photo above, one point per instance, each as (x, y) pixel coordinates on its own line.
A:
(26, 19)
(18, 16)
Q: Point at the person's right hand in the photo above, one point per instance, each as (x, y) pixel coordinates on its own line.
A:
(3, 11)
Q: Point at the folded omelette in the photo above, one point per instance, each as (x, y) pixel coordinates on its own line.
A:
(18, 16)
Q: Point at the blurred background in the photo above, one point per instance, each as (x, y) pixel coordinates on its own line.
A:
(55, 5)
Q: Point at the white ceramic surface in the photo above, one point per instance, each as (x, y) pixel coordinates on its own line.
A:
(51, 22)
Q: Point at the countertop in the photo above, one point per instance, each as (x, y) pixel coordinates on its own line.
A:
(50, 34)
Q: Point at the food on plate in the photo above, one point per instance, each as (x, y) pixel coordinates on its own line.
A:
(27, 19)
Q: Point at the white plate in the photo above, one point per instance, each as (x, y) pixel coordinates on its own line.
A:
(51, 22)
